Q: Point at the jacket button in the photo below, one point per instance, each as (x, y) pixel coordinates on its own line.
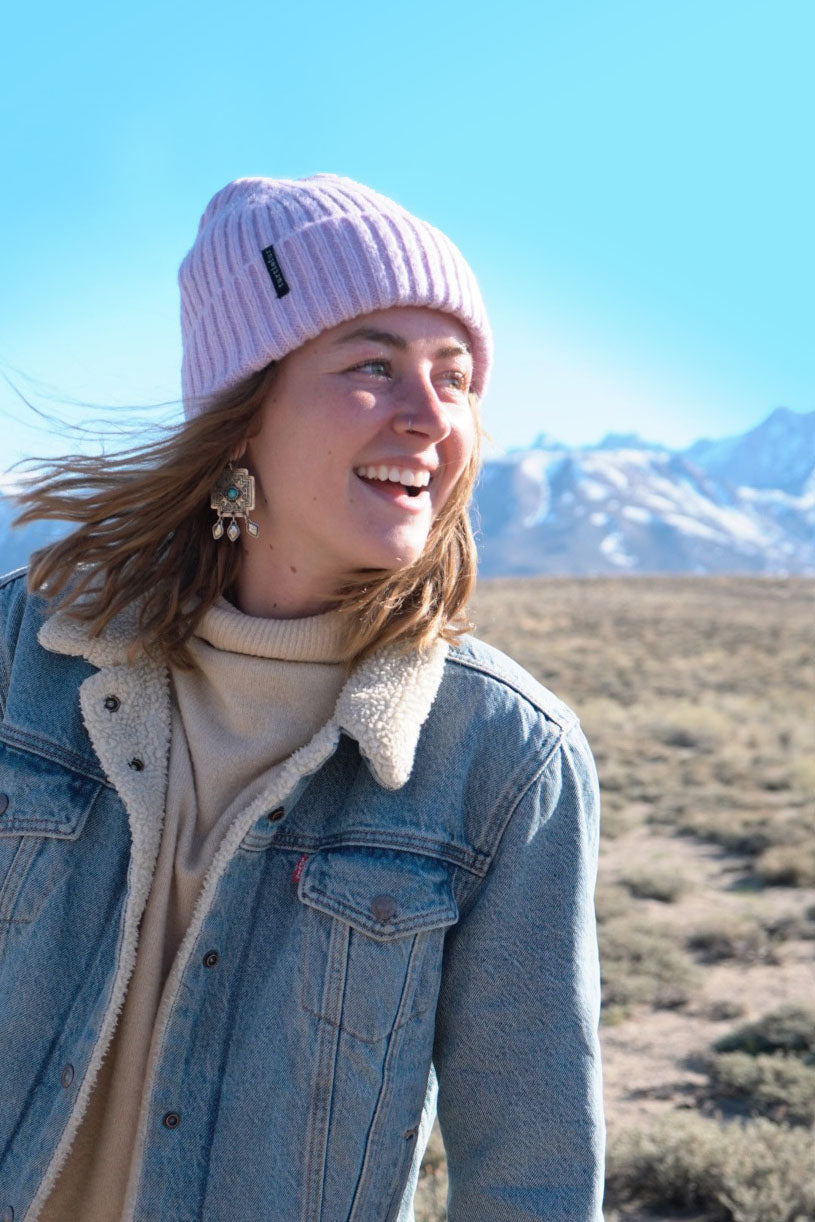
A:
(136, 764)
(210, 958)
(171, 1120)
(3, 803)
(7, 1215)
(112, 704)
(383, 907)
(274, 816)
(67, 1076)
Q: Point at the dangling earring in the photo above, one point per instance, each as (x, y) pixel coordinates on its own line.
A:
(233, 497)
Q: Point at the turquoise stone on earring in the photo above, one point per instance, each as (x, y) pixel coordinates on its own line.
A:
(232, 493)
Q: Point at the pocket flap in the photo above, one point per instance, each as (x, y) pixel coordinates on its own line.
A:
(41, 798)
(383, 893)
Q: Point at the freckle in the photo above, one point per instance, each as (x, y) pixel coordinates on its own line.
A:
(292, 569)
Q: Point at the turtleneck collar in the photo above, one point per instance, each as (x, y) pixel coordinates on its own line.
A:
(312, 638)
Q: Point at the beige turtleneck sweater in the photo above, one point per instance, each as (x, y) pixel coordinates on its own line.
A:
(261, 689)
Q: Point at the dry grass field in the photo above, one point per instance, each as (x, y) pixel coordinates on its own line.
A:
(698, 697)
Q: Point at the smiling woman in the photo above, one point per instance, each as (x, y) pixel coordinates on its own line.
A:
(294, 863)
(355, 480)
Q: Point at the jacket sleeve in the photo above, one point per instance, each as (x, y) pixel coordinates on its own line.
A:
(12, 607)
(516, 1052)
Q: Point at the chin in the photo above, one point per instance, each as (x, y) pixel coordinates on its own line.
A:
(400, 554)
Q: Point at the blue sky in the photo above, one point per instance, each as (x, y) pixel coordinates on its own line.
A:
(632, 182)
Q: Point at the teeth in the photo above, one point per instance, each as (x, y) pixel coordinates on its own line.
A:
(406, 477)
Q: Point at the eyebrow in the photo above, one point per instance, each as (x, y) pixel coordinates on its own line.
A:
(398, 341)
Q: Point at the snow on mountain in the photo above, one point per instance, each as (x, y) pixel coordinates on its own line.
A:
(779, 454)
(628, 506)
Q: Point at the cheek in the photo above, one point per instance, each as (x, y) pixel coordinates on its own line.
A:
(463, 445)
(456, 460)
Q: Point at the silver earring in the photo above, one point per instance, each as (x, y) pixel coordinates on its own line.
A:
(233, 497)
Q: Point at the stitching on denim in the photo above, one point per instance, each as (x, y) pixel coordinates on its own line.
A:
(426, 920)
(328, 1037)
(16, 613)
(467, 900)
(525, 776)
(471, 860)
(14, 881)
(385, 1092)
(505, 681)
(14, 575)
(13, 736)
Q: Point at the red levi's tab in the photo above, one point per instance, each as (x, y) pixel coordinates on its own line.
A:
(298, 869)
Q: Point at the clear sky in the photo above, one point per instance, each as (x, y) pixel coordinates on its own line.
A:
(632, 181)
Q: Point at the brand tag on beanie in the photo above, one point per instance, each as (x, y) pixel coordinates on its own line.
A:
(275, 271)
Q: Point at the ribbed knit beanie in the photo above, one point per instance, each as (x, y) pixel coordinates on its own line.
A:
(278, 261)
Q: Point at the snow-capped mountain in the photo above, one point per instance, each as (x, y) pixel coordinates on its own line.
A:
(742, 505)
(739, 505)
(778, 454)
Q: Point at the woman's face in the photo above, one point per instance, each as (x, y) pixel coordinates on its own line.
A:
(364, 434)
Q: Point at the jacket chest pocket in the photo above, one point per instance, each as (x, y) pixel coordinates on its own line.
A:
(42, 807)
(375, 922)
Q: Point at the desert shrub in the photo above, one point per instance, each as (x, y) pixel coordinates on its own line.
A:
(790, 925)
(731, 937)
(780, 1087)
(610, 901)
(787, 865)
(693, 728)
(618, 817)
(802, 772)
(656, 883)
(643, 964)
(720, 1009)
(752, 1172)
(789, 1029)
(737, 831)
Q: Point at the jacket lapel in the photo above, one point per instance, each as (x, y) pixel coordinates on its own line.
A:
(383, 705)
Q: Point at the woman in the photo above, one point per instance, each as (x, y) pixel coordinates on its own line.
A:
(287, 860)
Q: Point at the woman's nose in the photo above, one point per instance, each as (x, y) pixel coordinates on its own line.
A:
(422, 411)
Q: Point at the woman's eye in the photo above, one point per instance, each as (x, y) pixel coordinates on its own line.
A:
(457, 379)
(378, 368)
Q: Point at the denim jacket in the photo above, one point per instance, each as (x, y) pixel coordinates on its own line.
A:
(403, 921)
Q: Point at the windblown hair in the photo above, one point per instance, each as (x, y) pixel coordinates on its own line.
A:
(144, 537)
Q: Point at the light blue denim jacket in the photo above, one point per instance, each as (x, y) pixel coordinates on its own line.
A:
(415, 930)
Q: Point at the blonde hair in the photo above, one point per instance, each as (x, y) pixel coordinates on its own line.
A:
(144, 536)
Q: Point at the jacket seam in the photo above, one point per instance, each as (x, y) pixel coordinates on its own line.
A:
(13, 575)
(13, 736)
(522, 790)
(482, 668)
(472, 860)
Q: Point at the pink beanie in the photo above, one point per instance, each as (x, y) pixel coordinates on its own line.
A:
(278, 261)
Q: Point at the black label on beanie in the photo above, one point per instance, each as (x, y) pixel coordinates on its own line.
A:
(274, 269)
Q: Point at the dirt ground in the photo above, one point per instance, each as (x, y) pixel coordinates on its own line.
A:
(698, 697)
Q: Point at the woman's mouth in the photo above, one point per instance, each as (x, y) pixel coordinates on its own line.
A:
(395, 481)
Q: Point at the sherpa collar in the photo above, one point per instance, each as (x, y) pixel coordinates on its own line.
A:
(383, 704)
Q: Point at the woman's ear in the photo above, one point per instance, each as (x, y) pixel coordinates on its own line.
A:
(236, 454)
